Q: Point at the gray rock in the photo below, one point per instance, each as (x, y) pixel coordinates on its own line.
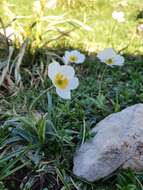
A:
(118, 142)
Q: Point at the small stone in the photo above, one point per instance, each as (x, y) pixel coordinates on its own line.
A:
(118, 142)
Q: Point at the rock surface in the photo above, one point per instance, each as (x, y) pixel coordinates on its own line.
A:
(118, 142)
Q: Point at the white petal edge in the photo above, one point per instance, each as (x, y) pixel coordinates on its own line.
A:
(81, 59)
(119, 60)
(65, 94)
(53, 68)
(73, 83)
(67, 53)
(75, 52)
(66, 57)
(110, 65)
(65, 60)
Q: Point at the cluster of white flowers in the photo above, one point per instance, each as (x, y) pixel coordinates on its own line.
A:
(63, 76)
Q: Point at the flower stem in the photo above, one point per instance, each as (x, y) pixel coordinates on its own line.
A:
(101, 80)
(112, 32)
(36, 99)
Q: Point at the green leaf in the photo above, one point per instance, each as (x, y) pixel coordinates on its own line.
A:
(42, 130)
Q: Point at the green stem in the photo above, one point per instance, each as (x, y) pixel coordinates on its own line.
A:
(101, 80)
(44, 92)
(112, 32)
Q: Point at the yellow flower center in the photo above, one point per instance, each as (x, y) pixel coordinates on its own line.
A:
(61, 81)
(109, 61)
(73, 58)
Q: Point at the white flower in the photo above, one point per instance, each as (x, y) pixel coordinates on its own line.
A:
(73, 57)
(109, 57)
(140, 28)
(63, 78)
(37, 6)
(118, 16)
(51, 4)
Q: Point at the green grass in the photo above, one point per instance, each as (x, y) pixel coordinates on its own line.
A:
(121, 87)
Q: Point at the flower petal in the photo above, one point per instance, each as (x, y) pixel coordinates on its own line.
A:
(67, 53)
(119, 16)
(75, 53)
(65, 94)
(119, 60)
(81, 58)
(53, 68)
(106, 54)
(65, 60)
(73, 83)
(67, 71)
